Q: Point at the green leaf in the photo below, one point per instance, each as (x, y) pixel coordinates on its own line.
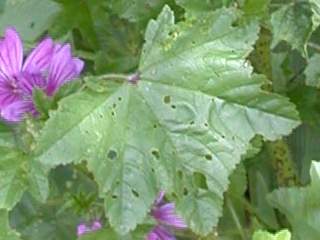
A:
(301, 203)
(68, 20)
(106, 233)
(31, 17)
(315, 6)
(292, 23)
(256, 9)
(138, 10)
(202, 6)
(44, 221)
(304, 144)
(263, 235)
(312, 71)
(18, 173)
(192, 114)
(6, 233)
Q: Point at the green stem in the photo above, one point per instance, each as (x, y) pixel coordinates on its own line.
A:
(235, 218)
(124, 77)
(114, 76)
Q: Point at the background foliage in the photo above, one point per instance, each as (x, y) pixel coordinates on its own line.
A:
(224, 118)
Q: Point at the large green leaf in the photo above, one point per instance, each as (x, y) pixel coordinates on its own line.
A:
(30, 17)
(292, 23)
(262, 235)
(6, 233)
(301, 206)
(191, 114)
(19, 173)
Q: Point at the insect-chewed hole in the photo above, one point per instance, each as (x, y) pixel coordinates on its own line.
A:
(114, 196)
(155, 153)
(135, 193)
(119, 99)
(208, 157)
(114, 105)
(185, 191)
(112, 154)
(113, 113)
(173, 106)
(206, 124)
(200, 180)
(166, 99)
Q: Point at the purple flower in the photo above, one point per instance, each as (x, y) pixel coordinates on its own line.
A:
(164, 214)
(47, 67)
(84, 229)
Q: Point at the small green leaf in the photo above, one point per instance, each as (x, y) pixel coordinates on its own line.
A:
(312, 71)
(18, 173)
(6, 233)
(301, 206)
(256, 9)
(315, 6)
(263, 235)
(292, 23)
(202, 6)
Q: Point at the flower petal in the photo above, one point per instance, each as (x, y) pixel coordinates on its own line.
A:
(160, 233)
(63, 68)
(11, 54)
(96, 225)
(8, 94)
(27, 82)
(82, 229)
(165, 214)
(39, 59)
(17, 110)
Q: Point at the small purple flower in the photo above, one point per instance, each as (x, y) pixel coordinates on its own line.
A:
(84, 229)
(47, 67)
(164, 214)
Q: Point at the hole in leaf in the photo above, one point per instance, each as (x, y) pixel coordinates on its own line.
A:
(200, 180)
(192, 122)
(206, 124)
(31, 24)
(208, 157)
(173, 106)
(185, 191)
(135, 193)
(155, 153)
(119, 99)
(114, 105)
(180, 174)
(167, 99)
(114, 196)
(112, 113)
(112, 154)
(155, 126)
(152, 170)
